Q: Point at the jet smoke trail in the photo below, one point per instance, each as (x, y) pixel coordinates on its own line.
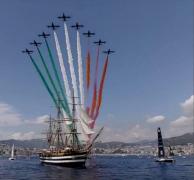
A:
(43, 80)
(94, 99)
(70, 61)
(80, 69)
(63, 71)
(88, 62)
(52, 82)
(47, 86)
(56, 73)
(93, 107)
(100, 90)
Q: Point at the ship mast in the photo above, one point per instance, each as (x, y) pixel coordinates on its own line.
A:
(58, 139)
(59, 128)
(75, 141)
(50, 133)
(55, 134)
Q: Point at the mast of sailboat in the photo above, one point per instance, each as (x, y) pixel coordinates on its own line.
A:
(12, 151)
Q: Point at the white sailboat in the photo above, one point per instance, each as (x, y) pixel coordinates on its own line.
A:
(12, 153)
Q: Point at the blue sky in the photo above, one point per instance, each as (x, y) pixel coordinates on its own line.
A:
(150, 74)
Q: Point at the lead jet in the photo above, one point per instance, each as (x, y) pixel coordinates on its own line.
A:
(77, 26)
(99, 42)
(44, 35)
(35, 43)
(27, 51)
(53, 26)
(108, 52)
(63, 17)
(89, 34)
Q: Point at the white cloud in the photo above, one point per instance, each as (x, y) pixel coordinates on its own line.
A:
(42, 119)
(8, 116)
(182, 122)
(25, 136)
(131, 134)
(156, 119)
(39, 120)
(181, 125)
(187, 105)
(11, 122)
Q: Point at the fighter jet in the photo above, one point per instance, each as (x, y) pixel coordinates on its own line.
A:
(99, 42)
(89, 34)
(27, 51)
(53, 26)
(63, 17)
(108, 52)
(44, 35)
(77, 26)
(35, 43)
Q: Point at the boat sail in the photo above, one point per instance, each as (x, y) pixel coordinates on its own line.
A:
(161, 152)
(12, 153)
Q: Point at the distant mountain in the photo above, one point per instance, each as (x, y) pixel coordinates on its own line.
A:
(33, 143)
(180, 140)
(173, 141)
(110, 145)
(39, 143)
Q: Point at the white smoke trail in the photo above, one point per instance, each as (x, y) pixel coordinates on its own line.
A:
(80, 70)
(63, 71)
(71, 66)
(64, 75)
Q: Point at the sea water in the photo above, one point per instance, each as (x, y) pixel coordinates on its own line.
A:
(106, 167)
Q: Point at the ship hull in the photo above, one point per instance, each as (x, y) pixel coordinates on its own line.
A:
(65, 160)
(165, 160)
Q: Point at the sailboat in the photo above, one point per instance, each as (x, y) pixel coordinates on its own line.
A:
(161, 152)
(12, 153)
(65, 148)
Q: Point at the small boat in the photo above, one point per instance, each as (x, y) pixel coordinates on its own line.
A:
(12, 153)
(161, 152)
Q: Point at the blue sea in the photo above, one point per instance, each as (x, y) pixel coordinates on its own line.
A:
(110, 167)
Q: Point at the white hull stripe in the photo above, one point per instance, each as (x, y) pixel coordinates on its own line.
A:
(64, 157)
(64, 161)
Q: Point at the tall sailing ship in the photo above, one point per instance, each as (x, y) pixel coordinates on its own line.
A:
(65, 147)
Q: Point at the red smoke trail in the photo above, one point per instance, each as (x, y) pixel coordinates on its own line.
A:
(94, 101)
(94, 98)
(88, 62)
(87, 110)
(99, 101)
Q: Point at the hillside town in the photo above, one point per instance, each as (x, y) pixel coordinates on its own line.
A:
(146, 150)
(139, 150)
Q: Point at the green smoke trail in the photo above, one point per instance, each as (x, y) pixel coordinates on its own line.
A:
(52, 82)
(45, 83)
(57, 78)
(43, 80)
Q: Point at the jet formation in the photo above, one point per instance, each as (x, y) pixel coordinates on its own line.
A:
(77, 26)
